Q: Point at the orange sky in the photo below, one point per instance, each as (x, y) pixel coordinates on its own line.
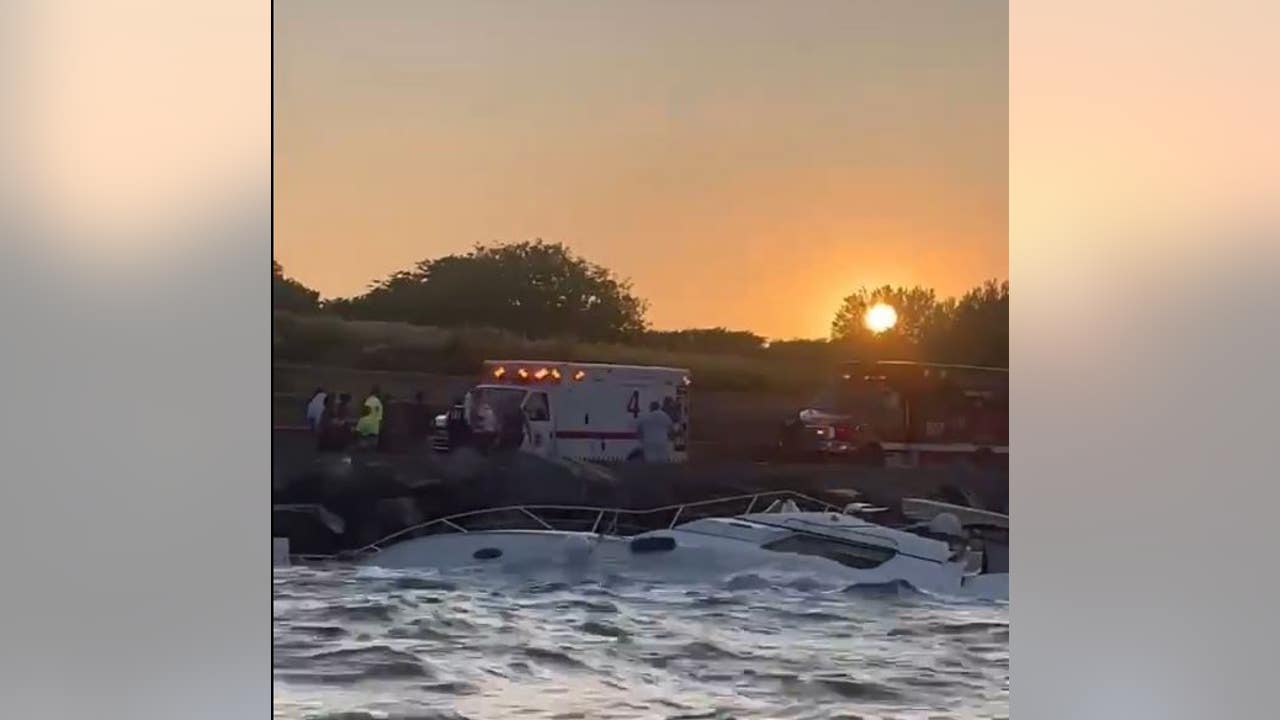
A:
(745, 164)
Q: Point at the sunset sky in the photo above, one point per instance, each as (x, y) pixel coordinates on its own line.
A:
(745, 164)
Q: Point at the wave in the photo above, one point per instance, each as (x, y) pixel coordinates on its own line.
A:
(759, 644)
(352, 665)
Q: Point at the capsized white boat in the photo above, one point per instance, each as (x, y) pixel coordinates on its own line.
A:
(782, 531)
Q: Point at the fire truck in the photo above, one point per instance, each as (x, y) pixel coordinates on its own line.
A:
(905, 413)
(579, 411)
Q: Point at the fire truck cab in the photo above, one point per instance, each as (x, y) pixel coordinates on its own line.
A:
(580, 411)
(905, 413)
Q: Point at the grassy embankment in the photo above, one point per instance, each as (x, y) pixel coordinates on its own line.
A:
(388, 346)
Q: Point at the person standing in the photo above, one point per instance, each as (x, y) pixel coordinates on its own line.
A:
(341, 425)
(374, 403)
(457, 428)
(485, 427)
(367, 428)
(391, 428)
(655, 429)
(369, 424)
(326, 436)
(511, 427)
(315, 408)
(343, 412)
(419, 419)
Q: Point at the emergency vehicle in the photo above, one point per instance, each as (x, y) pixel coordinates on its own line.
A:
(905, 413)
(580, 411)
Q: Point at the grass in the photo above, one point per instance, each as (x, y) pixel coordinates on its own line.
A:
(368, 345)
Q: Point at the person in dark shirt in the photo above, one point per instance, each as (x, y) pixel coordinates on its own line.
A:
(335, 430)
(392, 426)
(457, 427)
(419, 419)
(511, 427)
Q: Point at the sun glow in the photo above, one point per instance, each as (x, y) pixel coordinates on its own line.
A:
(880, 317)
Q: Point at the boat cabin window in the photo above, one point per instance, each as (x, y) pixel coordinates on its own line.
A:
(537, 408)
(854, 555)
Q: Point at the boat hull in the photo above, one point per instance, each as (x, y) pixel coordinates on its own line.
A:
(670, 554)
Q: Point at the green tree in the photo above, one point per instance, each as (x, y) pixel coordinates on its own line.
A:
(291, 295)
(534, 288)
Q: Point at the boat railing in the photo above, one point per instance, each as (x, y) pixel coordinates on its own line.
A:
(592, 520)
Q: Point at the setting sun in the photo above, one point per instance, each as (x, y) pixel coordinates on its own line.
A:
(880, 317)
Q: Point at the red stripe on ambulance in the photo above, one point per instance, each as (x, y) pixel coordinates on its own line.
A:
(595, 435)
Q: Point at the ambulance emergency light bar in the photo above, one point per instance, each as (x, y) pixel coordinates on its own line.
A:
(546, 374)
(542, 374)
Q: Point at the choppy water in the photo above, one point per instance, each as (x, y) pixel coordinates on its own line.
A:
(352, 644)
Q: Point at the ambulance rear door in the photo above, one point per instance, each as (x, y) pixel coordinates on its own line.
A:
(540, 435)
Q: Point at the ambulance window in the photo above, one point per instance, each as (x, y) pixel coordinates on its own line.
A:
(536, 407)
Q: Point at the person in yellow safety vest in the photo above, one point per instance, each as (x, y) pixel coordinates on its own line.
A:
(374, 403)
(367, 428)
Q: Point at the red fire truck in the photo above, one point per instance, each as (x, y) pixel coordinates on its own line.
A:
(905, 413)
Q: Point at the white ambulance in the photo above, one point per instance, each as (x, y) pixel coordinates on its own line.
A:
(580, 411)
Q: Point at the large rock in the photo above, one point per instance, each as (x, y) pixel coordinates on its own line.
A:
(378, 494)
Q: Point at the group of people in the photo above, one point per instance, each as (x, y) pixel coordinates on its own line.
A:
(337, 427)
(492, 424)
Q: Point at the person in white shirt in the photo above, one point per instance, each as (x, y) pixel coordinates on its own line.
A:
(655, 434)
(486, 418)
(484, 427)
(315, 409)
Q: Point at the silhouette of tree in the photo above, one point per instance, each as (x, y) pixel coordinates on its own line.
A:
(291, 295)
(542, 290)
(978, 332)
(534, 288)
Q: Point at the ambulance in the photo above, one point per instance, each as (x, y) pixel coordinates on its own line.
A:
(578, 411)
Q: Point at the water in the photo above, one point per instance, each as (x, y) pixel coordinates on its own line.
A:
(354, 644)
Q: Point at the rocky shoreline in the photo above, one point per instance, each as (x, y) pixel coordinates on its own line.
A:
(367, 496)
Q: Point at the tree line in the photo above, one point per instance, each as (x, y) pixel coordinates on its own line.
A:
(544, 290)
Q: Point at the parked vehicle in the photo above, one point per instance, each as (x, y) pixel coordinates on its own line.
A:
(905, 413)
(579, 411)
